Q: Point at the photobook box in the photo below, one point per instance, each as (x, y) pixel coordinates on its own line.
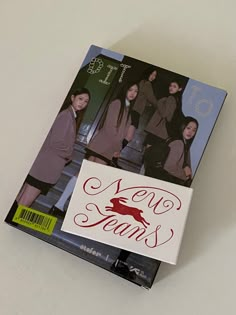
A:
(111, 183)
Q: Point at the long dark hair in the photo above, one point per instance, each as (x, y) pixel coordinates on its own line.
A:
(177, 95)
(146, 74)
(81, 113)
(186, 121)
(122, 98)
(173, 126)
(187, 143)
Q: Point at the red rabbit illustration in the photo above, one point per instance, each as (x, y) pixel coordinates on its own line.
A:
(126, 210)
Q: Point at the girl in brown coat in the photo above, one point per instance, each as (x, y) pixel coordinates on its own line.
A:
(166, 120)
(56, 150)
(145, 97)
(174, 168)
(111, 137)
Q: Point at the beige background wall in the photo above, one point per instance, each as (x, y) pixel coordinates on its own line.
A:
(42, 45)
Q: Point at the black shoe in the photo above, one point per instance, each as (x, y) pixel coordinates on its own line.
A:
(56, 212)
(114, 163)
(132, 275)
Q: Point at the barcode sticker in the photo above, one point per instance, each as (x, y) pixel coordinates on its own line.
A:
(34, 219)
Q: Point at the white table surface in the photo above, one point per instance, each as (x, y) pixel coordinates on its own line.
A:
(42, 46)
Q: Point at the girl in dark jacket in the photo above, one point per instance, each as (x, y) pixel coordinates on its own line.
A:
(145, 97)
(167, 119)
(177, 167)
(164, 122)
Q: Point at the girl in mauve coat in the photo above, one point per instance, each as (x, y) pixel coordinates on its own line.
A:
(174, 168)
(56, 150)
(145, 97)
(111, 137)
